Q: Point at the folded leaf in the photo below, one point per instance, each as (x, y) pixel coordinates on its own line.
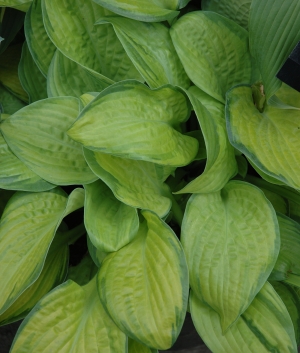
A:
(110, 223)
(147, 121)
(236, 10)
(231, 241)
(274, 30)
(213, 50)
(221, 163)
(37, 135)
(67, 78)
(138, 184)
(143, 10)
(288, 259)
(269, 139)
(31, 78)
(71, 31)
(15, 175)
(151, 50)
(264, 327)
(70, 319)
(148, 304)
(41, 47)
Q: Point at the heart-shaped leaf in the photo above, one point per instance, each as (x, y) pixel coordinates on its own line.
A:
(231, 241)
(148, 304)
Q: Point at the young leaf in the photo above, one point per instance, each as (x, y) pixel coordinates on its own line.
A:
(288, 259)
(37, 135)
(147, 120)
(15, 175)
(110, 223)
(274, 30)
(41, 47)
(231, 241)
(27, 227)
(269, 139)
(213, 51)
(67, 78)
(70, 319)
(221, 163)
(148, 304)
(236, 10)
(143, 10)
(31, 78)
(139, 184)
(264, 327)
(71, 31)
(150, 48)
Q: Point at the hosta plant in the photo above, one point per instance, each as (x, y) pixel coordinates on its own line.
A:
(156, 135)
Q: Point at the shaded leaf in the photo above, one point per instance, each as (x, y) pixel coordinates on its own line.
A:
(231, 241)
(9, 101)
(137, 347)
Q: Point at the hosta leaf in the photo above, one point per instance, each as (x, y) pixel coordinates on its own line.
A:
(146, 119)
(242, 166)
(53, 274)
(37, 135)
(32, 80)
(73, 30)
(96, 255)
(9, 101)
(269, 139)
(213, 51)
(231, 241)
(143, 10)
(110, 223)
(279, 203)
(5, 195)
(137, 347)
(274, 30)
(288, 96)
(15, 175)
(9, 78)
(27, 227)
(70, 319)
(150, 48)
(236, 10)
(221, 163)
(40, 45)
(288, 259)
(265, 176)
(67, 78)
(264, 327)
(148, 304)
(15, 3)
(292, 302)
(139, 184)
(11, 23)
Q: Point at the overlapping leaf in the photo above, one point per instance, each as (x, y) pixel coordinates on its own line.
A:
(15, 175)
(269, 139)
(139, 184)
(231, 241)
(144, 10)
(41, 47)
(236, 10)
(110, 223)
(221, 164)
(67, 78)
(148, 304)
(274, 30)
(37, 135)
(95, 47)
(9, 102)
(136, 347)
(264, 327)
(70, 318)
(32, 80)
(150, 48)
(213, 51)
(146, 119)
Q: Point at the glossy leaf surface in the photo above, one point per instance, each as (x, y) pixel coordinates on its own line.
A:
(231, 241)
(264, 327)
(146, 120)
(148, 304)
(213, 51)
